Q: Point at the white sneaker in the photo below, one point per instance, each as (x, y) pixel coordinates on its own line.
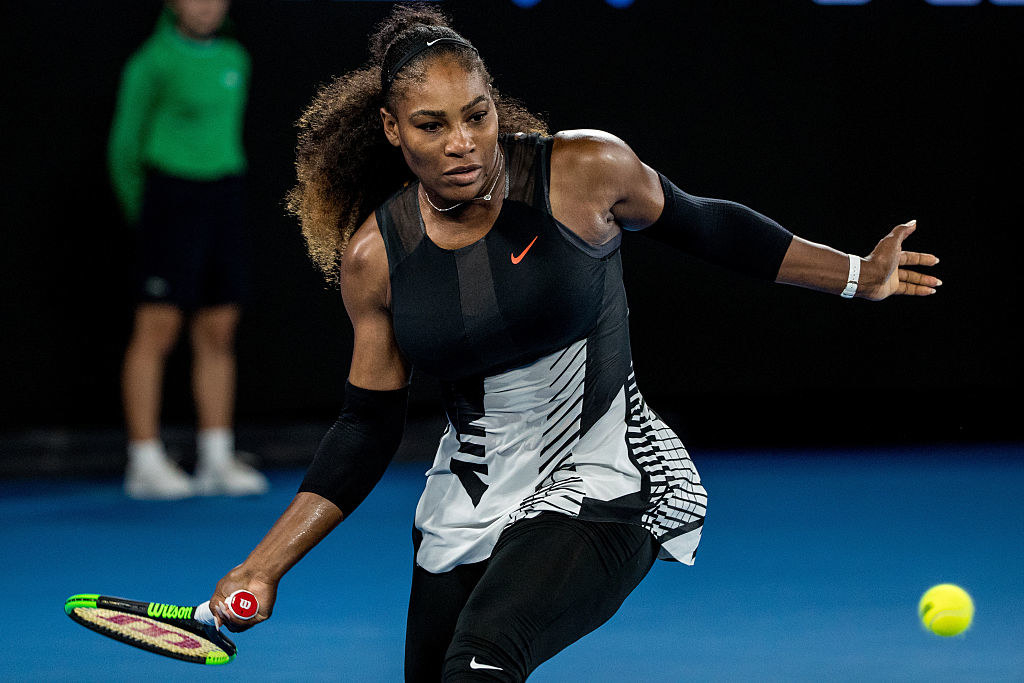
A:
(156, 478)
(229, 478)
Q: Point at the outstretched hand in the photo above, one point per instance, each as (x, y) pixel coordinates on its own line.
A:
(265, 592)
(887, 265)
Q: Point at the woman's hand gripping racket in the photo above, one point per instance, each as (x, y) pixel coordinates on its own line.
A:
(191, 634)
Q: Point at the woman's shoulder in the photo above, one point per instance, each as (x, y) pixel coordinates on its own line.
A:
(364, 271)
(583, 152)
(365, 253)
(592, 157)
(590, 147)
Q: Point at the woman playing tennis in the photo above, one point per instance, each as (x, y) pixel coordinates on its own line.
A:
(471, 245)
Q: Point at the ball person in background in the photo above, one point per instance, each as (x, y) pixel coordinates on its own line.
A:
(473, 246)
(176, 163)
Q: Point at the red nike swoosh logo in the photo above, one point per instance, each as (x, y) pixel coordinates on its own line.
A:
(517, 259)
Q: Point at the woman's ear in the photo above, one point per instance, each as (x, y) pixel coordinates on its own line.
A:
(390, 127)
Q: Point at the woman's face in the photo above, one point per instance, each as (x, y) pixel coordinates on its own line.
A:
(200, 18)
(447, 128)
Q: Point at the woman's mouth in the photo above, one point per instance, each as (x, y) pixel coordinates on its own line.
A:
(464, 175)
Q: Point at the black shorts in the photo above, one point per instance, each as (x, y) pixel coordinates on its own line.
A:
(192, 242)
(550, 580)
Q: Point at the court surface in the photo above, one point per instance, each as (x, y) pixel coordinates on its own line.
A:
(810, 569)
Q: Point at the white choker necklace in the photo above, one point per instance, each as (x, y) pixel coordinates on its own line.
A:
(499, 163)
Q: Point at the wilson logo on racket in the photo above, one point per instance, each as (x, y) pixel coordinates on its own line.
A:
(161, 611)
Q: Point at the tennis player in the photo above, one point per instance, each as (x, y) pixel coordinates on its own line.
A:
(177, 164)
(473, 246)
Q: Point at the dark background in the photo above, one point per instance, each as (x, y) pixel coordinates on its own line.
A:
(839, 122)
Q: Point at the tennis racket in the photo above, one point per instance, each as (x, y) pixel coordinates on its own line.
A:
(183, 632)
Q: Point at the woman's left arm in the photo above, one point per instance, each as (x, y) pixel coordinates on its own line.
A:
(884, 272)
(735, 236)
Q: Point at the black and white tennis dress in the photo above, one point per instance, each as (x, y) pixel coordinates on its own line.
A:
(527, 330)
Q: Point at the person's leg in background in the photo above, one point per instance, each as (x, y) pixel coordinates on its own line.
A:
(222, 289)
(168, 254)
(150, 473)
(218, 470)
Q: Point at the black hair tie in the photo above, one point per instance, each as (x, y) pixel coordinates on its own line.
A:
(388, 77)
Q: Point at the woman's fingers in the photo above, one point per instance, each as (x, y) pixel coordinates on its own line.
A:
(916, 258)
(917, 284)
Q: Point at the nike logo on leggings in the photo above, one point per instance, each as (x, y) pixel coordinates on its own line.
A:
(473, 664)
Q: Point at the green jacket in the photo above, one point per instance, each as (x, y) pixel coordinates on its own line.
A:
(180, 110)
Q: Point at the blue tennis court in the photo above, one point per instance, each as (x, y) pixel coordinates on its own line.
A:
(810, 569)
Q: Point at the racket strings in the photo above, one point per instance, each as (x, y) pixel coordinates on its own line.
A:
(149, 632)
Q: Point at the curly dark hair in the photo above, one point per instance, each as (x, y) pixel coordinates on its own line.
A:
(344, 163)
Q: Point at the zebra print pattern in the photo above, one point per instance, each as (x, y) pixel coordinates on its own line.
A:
(560, 488)
(525, 453)
(678, 501)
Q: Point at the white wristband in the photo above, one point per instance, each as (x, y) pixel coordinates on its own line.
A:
(853, 279)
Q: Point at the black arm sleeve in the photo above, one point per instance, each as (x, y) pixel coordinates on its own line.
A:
(355, 452)
(721, 232)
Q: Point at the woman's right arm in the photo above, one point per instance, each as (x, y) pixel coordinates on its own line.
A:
(356, 450)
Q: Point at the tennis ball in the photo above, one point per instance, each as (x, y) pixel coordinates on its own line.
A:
(946, 609)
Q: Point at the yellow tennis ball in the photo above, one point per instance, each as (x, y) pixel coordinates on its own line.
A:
(946, 609)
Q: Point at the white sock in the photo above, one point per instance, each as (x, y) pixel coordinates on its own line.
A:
(146, 452)
(215, 447)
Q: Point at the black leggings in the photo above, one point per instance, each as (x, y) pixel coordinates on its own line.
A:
(550, 580)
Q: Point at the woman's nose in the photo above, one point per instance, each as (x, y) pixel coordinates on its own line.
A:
(460, 142)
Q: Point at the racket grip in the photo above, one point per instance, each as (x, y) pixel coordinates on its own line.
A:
(241, 604)
(204, 614)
